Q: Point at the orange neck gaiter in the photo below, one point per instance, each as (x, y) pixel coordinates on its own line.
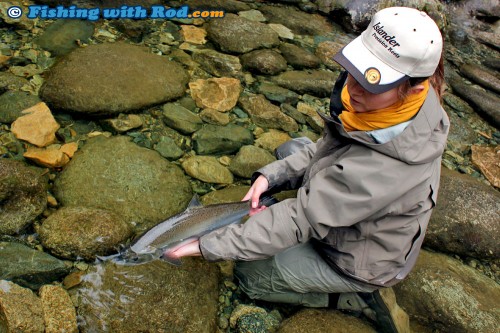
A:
(394, 114)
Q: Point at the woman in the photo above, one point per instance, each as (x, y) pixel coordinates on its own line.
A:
(365, 190)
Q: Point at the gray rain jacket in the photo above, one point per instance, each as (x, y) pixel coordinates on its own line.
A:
(365, 206)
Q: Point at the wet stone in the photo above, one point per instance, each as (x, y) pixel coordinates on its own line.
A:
(20, 309)
(85, 81)
(181, 119)
(207, 169)
(316, 82)
(60, 37)
(28, 267)
(212, 116)
(12, 103)
(133, 182)
(249, 159)
(266, 62)
(218, 140)
(233, 193)
(23, 195)
(58, 310)
(266, 114)
(36, 126)
(168, 148)
(236, 34)
(277, 94)
(83, 233)
(298, 57)
(299, 22)
(218, 64)
(271, 140)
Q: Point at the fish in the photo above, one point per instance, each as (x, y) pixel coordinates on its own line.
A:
(195, 221)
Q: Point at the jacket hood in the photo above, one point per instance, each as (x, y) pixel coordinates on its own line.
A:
(423, 140)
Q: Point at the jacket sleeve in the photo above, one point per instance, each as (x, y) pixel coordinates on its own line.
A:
(338, 196)
(288, 172)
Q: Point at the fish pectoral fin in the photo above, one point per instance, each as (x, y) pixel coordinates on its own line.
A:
(174, 261)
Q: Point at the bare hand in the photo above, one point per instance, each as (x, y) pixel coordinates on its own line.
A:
(184, 249)
(259, 186)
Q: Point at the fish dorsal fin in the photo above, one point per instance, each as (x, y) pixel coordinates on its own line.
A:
(195, 202)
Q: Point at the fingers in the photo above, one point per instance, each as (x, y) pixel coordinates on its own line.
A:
(256, 210)
(259, 186)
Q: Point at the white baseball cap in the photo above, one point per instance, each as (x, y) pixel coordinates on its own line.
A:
(399, 43)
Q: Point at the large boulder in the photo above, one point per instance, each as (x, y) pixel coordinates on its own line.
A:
(116, 174)
(79, 232)
(28, 267)
(465, 220)
(235, 34)
(153, 297)
(448, 296)
(106, 79)
(23, 196)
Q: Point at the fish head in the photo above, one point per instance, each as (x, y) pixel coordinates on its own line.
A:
(130, 257)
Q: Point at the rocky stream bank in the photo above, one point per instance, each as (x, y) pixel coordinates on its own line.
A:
(109, 127)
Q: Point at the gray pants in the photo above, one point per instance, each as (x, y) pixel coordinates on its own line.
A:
(297, 275)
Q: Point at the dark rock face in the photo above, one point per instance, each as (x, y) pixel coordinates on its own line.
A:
(107, 79)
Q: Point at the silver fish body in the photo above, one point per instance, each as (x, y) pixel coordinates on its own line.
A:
(192, 223)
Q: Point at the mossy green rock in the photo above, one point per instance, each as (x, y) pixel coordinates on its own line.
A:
(61, 36)
(153, 297)
(117, 175)
(323, 321)
(249, 159)
(80, 232)
(23, 196)
(315, 82)
(218, 140)
(12, 103)
(227, 194)
(181, 119)
(106, 79)
(28, 267)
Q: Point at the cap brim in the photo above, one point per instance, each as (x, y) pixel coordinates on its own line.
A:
(357, 59)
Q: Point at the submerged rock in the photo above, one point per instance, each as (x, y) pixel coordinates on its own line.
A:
(61, 36)
(20, 309)
(86, 80)
(227, 194)
(465, 220)
(36, 126)
(316, 82)
(298, 21)
(216, 93)
(218, 140)
(23, 196)
(28, 267)
(207, 169)
(266, 114)
(321, 320)
(247, 318)
(181, 119)
(249, 159)
(80, 232)
(153, 297)
(298, 57)
(267, 62)
(133, 182)
(59, 312)
(235, 34)
(12, 103)
(449, 296)
(218, 64)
